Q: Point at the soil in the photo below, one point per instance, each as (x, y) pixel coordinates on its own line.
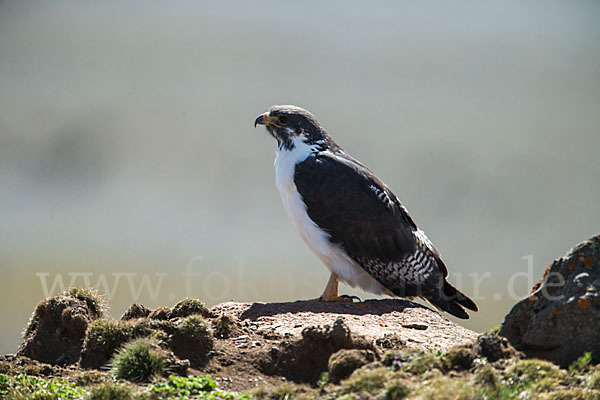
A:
(254, 343)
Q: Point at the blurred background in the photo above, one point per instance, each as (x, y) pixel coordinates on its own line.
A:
(129, 162)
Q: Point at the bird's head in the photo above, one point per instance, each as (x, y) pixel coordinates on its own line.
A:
(290, 123)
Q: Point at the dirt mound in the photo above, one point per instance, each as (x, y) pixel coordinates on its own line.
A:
(304, 359)
(56, 331)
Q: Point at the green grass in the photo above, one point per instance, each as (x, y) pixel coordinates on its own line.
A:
(139, 361)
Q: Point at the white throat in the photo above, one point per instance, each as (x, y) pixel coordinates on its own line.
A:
(286, 160)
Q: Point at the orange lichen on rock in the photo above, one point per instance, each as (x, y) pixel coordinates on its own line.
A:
(587, 261)
(583, 303)
(556, 312)
(532, 299)
(571, 266)
(546, 271)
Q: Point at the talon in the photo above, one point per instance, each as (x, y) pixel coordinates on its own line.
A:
(352, 298)
(337, 299)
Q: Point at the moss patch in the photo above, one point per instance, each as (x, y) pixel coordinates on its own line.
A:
(95, 302)
(104, 337)
(344, 362)
(189, 307)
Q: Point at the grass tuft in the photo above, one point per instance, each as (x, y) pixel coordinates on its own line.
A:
(287, 391)
(365, 381)
(445, 388)
(487, 377)
(527, 372)
(196, 331)
(187, 307)
(104, 337)
(111, 391)
(458, 358)
(139, 361)
(396, 390)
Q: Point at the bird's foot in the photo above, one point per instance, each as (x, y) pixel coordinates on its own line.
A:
(340, 299)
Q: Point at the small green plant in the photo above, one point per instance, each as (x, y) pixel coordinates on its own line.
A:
(581, 363)
(4, 384)
(111, 391)
(31, 387)
(197, 387)
(323, 380)
(139, 361)
(95, 302)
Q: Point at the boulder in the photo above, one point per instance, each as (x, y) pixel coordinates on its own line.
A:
(560, 320)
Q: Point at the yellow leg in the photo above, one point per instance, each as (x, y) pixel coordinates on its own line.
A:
(330, 294)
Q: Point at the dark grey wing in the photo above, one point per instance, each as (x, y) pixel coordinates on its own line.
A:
(367, 220)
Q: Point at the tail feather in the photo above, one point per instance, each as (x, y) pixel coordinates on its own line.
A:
(452, 301)
(457, 296)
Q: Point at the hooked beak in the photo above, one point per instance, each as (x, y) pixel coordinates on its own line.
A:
(266, 120)
(261, 120)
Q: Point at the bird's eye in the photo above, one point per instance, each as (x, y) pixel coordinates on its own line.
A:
(283, 120)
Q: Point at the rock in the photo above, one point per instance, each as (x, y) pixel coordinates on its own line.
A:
(383, 322)
(560, 319)
(345, 362)
(56, 331)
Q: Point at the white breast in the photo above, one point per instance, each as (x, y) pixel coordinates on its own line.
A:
(331, 255)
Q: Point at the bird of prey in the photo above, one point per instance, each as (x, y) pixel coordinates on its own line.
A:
(351, 220)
